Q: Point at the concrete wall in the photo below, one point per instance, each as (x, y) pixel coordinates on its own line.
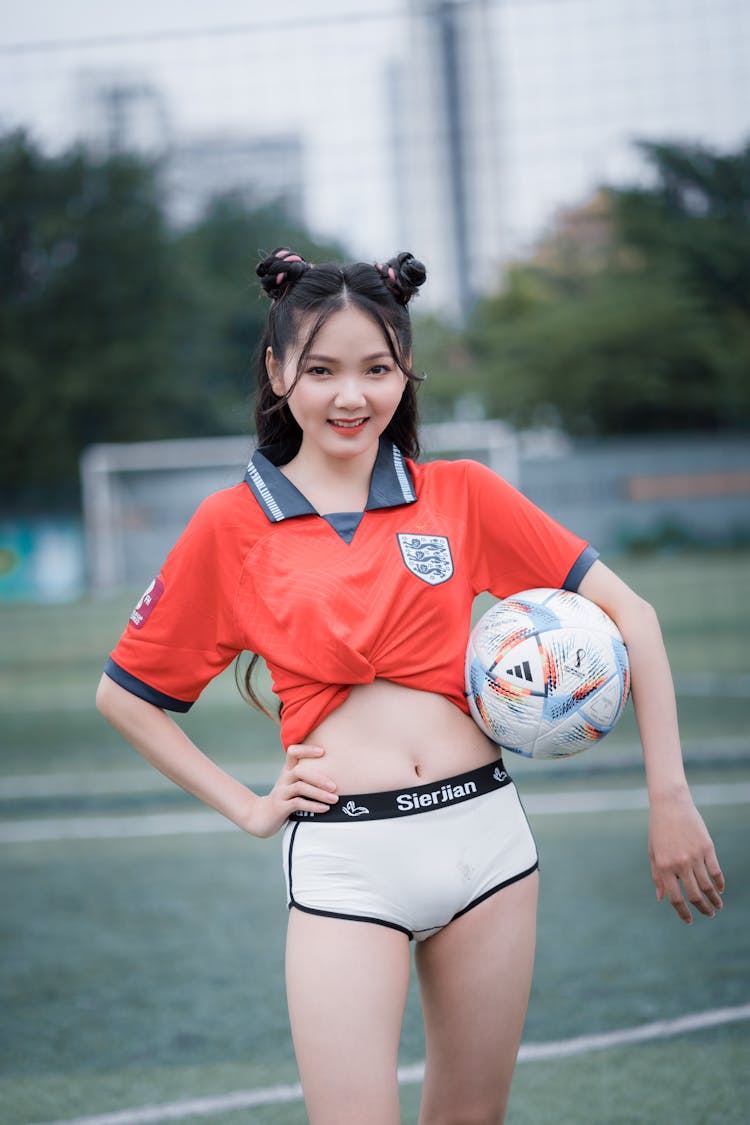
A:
(621, 493)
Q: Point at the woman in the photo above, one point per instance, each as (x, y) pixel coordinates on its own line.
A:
(352, 569)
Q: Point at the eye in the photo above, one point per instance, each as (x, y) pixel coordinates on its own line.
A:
(379, 369)
(318, 371)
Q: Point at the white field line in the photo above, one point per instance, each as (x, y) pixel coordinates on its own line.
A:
(113, 783)
(87, 783)
(660, 1029)
(19, 699)
(409, 1075)
(622, 800)
(112, 827)
(47, 829)
(713, 685)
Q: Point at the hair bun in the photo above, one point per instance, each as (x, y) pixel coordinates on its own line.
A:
(280, 269)
(402, 276)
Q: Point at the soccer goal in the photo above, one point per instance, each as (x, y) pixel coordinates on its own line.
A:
(137, 497)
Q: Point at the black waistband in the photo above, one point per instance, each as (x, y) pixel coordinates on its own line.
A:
(415, 799)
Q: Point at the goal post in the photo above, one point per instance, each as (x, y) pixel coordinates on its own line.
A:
(138, 496)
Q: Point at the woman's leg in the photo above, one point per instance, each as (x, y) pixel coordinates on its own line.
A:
(346, 988)
(475, 977)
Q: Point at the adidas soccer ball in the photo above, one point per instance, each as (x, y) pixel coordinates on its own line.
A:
(547, 673)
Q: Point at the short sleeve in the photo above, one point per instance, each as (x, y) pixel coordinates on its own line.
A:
(182, 632)
(514, 545)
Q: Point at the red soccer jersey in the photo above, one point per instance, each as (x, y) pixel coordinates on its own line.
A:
(344, 599)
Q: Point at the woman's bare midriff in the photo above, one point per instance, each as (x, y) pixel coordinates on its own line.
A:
(385, 736)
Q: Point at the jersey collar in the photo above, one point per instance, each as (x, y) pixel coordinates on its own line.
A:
(391, 483)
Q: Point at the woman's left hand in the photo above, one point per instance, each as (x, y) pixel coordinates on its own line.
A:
(682, 852)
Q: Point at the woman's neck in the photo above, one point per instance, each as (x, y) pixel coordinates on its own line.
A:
(332, 484)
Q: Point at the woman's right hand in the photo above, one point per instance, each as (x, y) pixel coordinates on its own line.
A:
(301, 785)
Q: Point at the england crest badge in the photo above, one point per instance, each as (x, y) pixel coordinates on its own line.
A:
(427, 556)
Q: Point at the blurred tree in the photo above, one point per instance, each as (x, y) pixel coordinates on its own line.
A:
(634, 314)
(222, 310)
(452, 387)
(85, 306)
(112, 326)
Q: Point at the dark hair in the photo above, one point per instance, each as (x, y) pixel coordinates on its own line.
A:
(299, 292)
(302, 292)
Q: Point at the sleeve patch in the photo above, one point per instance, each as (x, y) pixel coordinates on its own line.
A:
(145, 606)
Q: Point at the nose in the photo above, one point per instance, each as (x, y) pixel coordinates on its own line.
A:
(349, 393)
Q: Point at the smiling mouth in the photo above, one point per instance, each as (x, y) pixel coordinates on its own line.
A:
(347, 423)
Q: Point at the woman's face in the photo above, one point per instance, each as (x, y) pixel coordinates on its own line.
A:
(348, 389)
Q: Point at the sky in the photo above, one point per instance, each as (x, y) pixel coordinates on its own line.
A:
(576, 82)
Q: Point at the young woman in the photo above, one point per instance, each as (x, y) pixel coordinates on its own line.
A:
(352, 569)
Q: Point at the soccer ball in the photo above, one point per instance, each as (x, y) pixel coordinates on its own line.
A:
(547, 673)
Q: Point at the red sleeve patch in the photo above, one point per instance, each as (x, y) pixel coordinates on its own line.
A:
(150, 597)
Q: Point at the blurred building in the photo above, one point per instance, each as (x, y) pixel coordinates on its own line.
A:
(445, 140)
(121, 111)
(259, 170)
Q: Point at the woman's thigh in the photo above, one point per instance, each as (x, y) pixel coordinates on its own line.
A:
(475, 978)
(346, 988)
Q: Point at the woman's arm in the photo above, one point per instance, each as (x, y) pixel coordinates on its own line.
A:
(301, 785)
(680, 847)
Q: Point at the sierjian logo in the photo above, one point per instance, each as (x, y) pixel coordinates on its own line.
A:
(447, 793)
(498, 774)
(350, 809)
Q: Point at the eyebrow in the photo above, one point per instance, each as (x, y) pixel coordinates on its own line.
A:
(333, 359)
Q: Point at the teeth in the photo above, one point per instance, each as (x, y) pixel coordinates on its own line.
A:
(348, 425)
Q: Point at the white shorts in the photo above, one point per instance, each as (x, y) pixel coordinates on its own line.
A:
(410, 859)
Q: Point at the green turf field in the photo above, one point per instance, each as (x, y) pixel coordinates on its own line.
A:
(147, 970)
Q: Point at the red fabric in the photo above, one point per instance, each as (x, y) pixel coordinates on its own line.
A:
(325, 614)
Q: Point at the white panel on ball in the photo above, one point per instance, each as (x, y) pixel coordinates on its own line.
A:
(547, 673)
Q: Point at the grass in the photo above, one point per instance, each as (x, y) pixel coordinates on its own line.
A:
(694, 1080)
(150, 970)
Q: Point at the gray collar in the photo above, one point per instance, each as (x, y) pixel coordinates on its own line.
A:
(390, 484)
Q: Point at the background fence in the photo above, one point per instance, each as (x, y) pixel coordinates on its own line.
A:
(456, 128)
(142, 966)
(638, 493)
(619, 494)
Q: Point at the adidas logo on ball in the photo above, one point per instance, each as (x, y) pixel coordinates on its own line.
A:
(521, 671)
